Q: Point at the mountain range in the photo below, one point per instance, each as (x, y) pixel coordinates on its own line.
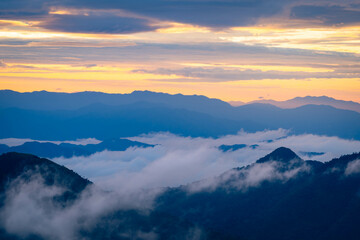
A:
(67, 150)
(301, 101)
(43, 100)
(66, 116)
(280, 196)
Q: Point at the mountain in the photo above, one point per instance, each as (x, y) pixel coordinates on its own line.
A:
(301, 101)
(106, 122)
(67, 150)
(43, 100)
(313, 119)
(120, 223)
(27, 115)
(281, 154)
(279, 197)
(14, 165)
(237, 103)
(232, 148)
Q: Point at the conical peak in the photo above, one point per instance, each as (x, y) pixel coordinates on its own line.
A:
(281, 154)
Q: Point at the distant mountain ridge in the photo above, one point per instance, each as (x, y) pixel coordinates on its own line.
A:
(67, 150)
(43, 100)
(301, 101)
(148, 112)
(106, 122)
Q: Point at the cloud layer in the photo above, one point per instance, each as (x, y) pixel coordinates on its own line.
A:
(218, 74)
(31, 208)
(97, 24)
(328, 14)
(178, 160)
(214, 14)
(137, 175)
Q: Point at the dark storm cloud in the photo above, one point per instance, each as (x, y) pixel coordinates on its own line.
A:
(328, 15)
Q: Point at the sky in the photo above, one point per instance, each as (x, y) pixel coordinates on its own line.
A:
(234, 50)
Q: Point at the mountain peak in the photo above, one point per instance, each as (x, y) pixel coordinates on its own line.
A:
(281, 154)
(14, 165)
(313, 98)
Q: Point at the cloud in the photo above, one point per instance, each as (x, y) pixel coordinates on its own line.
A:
(82, 44)
(328, 14)
(23, 9)
(207, 13)
(249, 177)
(215, 14)
(2, 64)
(136, 176)
(138, 168)
(353, 167)
(179, 160)
(80, 20)
(31, 208)
(217, 74)
(90, 65)
(150, 53)
(97, 23)
(27, 203)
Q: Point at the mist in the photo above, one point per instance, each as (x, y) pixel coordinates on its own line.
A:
(134, 178)
(30, 208)
(177, 160)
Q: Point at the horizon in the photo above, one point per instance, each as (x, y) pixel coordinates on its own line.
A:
(231, 102)
(233, 51)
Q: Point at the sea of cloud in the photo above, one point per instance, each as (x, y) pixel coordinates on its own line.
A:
(136, 176)
(177, 160)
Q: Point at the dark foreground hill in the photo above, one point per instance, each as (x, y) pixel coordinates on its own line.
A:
(19, 169)
(15, 165)
(67, 150)
(278, 197)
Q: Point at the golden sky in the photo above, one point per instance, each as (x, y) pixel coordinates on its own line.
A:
(292, 50)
